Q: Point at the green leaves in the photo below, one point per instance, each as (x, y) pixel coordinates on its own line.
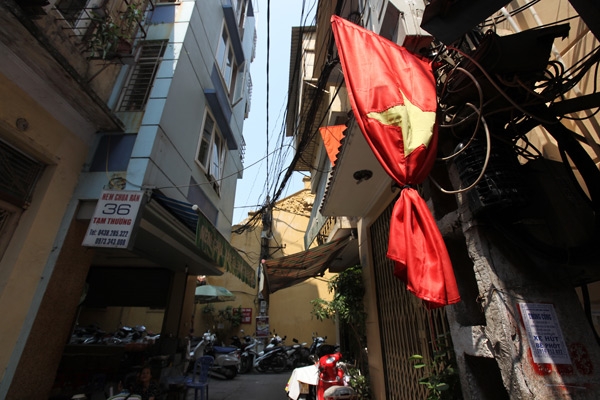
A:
(442, 380)
(360, 383)
(348, 308)
(110, 33)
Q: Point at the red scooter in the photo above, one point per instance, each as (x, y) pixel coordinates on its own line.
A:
(322, 381)
(332, 384)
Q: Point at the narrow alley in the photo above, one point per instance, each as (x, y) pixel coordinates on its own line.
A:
(253, 386)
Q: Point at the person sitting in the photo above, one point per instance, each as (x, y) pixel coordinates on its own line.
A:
(145, 386)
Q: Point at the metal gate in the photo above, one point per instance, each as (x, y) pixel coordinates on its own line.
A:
(406, 327)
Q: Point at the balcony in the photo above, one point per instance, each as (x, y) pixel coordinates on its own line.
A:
(107, 30)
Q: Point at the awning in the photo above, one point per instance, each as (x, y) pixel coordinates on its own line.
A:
(209, 240)
(173, 234)
(161, 236)
(296, 268)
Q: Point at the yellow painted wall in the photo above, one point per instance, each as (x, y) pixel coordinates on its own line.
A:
(289, 309)
(22, 266)
(290, 312)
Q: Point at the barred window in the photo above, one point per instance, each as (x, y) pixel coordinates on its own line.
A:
(141, 78)
(18, 175)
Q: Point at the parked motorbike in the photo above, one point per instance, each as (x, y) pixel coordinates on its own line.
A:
(319, 348)
(248, 355)
(227, 359)
(297, 355)
(236, 342)
(93, 334)
(273, 357)
(325, 380)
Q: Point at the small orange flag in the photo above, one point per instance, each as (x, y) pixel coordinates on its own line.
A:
(332, 136)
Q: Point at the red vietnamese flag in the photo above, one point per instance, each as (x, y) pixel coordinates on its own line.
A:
(393, 96)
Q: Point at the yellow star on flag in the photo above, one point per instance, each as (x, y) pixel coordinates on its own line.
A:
(416, 125)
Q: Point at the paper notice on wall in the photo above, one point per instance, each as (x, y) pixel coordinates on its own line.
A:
(545, 336)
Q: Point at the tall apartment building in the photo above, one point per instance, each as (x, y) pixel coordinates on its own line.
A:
(121, 133)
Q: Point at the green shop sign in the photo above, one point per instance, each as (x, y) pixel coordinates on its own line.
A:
(214, 245)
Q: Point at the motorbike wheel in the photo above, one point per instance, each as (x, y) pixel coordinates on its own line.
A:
(279, 363)
(230, 372)
(245, 365)
(260, 368)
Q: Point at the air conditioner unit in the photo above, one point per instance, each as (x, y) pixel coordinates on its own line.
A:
(404, 18)
(448, 20)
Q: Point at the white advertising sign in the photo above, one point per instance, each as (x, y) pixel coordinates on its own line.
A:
(545, 336)
(114, 219)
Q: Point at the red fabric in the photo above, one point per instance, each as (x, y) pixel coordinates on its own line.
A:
(332, 135)
(380, 75)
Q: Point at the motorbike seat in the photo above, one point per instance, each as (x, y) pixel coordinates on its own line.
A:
(224, 349)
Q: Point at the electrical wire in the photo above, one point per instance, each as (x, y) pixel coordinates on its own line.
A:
(485, 162)
(275, 167)
(268, 79)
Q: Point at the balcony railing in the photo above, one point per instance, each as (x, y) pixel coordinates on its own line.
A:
(106, 30)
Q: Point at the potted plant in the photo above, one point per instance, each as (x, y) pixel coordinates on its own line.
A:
(130, 20)
(105, 39)
(113, 37)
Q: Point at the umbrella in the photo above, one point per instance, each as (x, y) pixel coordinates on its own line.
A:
(211, 294)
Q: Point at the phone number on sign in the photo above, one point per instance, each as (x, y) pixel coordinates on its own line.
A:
(108, 241)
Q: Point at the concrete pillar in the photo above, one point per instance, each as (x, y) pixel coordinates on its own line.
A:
(495, 354)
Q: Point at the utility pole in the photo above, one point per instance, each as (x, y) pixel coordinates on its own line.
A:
(265, 238)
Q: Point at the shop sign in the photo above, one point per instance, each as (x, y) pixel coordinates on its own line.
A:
(262, 327)
(246, 314)
(218, 249)
(115, 219)
(544, 333)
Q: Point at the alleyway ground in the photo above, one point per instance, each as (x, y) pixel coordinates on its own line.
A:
(253, 386)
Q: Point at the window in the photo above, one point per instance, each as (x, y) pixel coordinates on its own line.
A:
(241, 15)
(137, 90)
(226, 62)
(19, 175)
(211, 152)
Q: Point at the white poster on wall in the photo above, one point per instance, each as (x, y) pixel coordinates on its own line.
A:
(114, 219)
(545, 336)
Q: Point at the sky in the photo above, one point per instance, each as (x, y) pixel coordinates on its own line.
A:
(251, 189)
